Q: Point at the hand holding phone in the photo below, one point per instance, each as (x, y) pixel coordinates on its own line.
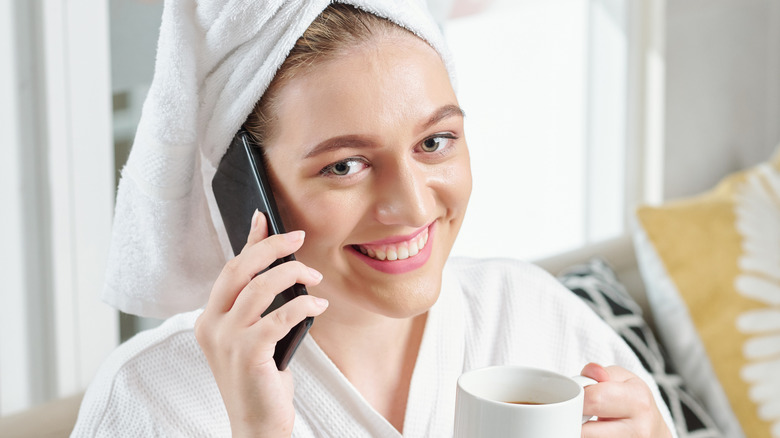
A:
(240, 187)
(246, 352)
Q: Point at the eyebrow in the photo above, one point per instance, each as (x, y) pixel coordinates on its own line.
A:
(356, 141)
(334, 143)
(442, 113)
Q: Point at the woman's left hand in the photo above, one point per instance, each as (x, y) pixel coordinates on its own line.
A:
(624, 404)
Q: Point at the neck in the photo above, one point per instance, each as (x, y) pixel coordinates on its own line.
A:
(376, 354)
(355, 342)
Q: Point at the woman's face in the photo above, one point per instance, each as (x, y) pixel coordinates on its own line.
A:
(368, 156)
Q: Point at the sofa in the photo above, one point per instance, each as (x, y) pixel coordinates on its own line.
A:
(54, 419)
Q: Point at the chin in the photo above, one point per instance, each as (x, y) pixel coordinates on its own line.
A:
(414, 295)
(407, 298)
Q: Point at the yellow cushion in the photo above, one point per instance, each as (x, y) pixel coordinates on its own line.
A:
(721, 250)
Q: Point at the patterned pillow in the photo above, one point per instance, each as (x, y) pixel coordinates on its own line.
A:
(595, 282)
(711, 268)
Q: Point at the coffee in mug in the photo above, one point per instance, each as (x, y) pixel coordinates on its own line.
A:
(516, 401)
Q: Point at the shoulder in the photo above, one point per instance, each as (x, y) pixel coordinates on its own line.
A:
(476, 271)
(499, 280)
(156, 384)
(538, 321)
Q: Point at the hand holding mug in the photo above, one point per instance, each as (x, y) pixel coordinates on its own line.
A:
(623, 403)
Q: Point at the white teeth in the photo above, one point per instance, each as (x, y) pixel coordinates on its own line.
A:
(391, 254)
(400, 251)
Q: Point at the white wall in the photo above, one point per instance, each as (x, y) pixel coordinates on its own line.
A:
(773, 87)
(56, 190)
(722, 89)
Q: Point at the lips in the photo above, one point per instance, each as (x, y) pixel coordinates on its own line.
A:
(396, 251)
(398, 254)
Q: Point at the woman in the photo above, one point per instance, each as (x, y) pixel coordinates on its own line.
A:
(366, 151)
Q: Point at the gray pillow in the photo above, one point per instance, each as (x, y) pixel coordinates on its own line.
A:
(595, 282)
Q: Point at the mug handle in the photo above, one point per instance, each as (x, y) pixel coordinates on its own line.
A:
(584, 382)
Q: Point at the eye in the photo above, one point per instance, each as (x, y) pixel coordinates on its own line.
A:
(344, 168)
(433, 144)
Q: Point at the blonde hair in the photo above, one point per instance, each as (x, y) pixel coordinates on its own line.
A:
(338, 28)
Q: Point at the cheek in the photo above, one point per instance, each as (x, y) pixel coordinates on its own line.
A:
(455, 186)
(327, 218)
(310, 210)
(465, 184)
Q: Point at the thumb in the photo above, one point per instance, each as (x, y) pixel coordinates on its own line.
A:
(595, 372)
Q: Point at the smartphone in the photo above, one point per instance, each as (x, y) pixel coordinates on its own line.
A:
(240, 186)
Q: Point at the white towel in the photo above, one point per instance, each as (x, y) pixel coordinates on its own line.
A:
(215, 59)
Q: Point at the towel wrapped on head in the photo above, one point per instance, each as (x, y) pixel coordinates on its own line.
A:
(215, 59)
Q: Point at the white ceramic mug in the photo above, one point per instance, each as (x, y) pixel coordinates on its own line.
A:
(485, 409)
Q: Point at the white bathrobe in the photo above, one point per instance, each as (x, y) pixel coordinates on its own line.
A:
(490, 312)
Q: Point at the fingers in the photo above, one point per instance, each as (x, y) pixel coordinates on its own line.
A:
(619, 393)
(239, 345)
(616, 399)
(258, 230)
(595, 372)
(274, 326)
(624, 409)
(619, 374)
(609, 428)
(240, 271)
(255, 298)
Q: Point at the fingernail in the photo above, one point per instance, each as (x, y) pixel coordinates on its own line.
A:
(322, 302)
(255, 216)
(315, 273)
(294, 236)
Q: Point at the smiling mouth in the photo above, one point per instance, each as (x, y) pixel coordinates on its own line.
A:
(395, 251)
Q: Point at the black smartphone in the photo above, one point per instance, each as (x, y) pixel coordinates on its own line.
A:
(240, 186)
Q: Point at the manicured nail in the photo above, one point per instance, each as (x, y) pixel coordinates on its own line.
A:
(255, 217)
(315, 273)
(294, 236)
(322, 302)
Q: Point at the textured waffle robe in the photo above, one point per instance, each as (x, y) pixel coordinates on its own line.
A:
(489, 312)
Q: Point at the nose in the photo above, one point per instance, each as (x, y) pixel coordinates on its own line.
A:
(405, 197)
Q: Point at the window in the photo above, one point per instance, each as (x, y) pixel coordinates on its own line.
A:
(543, 84)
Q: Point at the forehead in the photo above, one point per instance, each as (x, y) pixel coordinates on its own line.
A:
(390, 80)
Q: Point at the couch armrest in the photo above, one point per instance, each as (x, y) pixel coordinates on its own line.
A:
(53, 419)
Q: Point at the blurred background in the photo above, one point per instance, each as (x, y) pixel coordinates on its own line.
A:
(577, 112)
